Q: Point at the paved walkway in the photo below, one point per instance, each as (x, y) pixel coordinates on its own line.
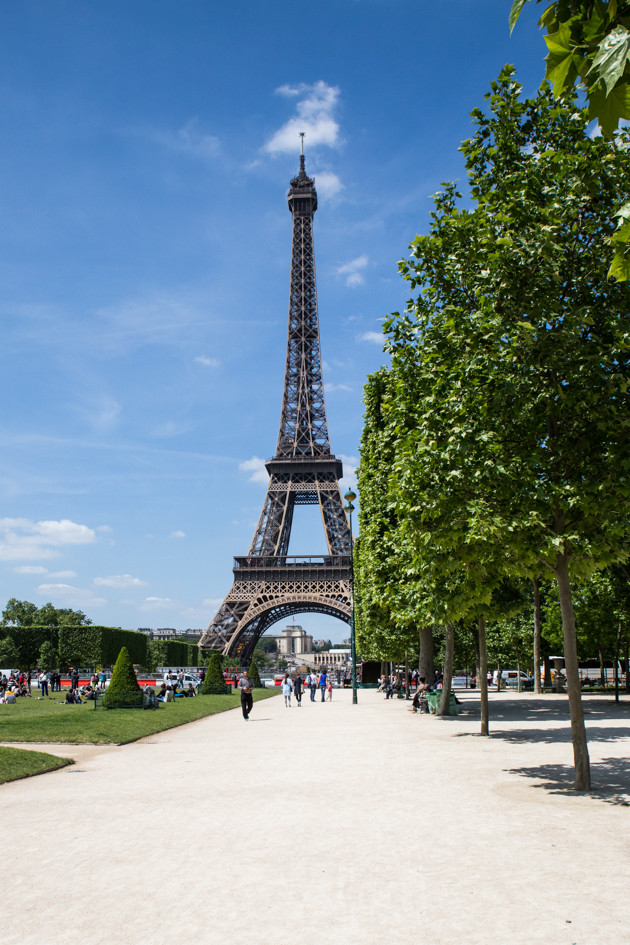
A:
(331, 823)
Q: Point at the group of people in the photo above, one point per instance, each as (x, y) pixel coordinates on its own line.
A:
(166, 693)
(395, 684)
(312, 682)
(13, 686)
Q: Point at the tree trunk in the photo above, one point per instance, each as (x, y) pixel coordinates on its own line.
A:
(445, 699)
(407, 687)
(617, 646)
(578, 729)
(537, 635)
(426, 655)
(482, 678)
(627, 646)
(547, 673)
(475, 637)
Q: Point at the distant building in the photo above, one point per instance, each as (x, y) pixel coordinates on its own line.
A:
(294, 641)
(334, 659)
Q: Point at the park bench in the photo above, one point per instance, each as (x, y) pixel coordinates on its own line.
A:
(433, 700)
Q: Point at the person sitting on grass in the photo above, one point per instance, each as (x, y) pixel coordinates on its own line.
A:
(73, 698)
(190, 692)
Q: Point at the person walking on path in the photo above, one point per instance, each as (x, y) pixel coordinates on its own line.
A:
(297, 689)
(329, 690)
(312, 685)
(287, 689)
(247, 700)
(322, 683)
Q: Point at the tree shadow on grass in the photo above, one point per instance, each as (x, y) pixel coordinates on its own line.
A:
(610, 779)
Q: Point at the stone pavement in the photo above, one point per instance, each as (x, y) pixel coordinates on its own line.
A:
(331, 823)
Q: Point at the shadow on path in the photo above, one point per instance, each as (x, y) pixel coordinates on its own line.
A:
(610, 779)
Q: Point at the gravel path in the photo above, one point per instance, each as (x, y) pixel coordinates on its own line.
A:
(331, 823)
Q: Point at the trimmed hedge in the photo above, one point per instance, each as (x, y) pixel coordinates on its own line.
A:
(172, 653)
(124, 691)
(214, 684)
(254, 675)
(100, 646)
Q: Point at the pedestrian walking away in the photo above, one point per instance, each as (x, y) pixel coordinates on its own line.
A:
(297, 689)
(312, 685)
(329, 690)
(247, 700)
(322, 684)
(287, 689)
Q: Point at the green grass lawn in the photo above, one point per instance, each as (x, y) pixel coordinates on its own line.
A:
(17, 763)
(49, 720)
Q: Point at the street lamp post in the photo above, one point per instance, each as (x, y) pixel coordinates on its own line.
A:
(350, 496)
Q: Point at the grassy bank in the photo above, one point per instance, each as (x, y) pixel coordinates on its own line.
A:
(50, 720)
(17, 763)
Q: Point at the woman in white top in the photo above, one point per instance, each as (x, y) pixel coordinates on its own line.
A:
(287, 689)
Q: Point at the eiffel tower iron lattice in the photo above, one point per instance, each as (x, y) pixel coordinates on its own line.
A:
(268, 584)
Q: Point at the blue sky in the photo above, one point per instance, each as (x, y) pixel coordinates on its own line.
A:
(145, 248)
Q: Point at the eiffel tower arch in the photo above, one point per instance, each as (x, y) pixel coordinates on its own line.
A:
(268, 583)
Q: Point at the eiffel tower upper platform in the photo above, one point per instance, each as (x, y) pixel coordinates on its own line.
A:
(268, 584)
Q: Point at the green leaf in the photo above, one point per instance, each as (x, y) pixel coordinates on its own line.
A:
(562, 64)
(608, 109)
(612, 54)
(515, 12)
(620, 265)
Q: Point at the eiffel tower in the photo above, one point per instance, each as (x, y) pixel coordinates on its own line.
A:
(270, 585)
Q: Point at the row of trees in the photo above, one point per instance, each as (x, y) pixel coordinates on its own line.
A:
(495, 451)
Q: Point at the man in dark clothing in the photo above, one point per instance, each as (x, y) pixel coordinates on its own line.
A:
(247, 700)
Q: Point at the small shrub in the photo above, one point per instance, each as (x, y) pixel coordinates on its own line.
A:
(124, 691)
(214, 684)
(254, 675)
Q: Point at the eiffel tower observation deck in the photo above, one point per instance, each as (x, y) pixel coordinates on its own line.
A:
(270, 585)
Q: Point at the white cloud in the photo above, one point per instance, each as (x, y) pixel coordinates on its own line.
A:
(256, 467)
(327, 184)
(106, 529)
(350, 464)
(30, 569)
(69, 596)
(177, 534)
(119, 580)
(332, 387)
(22, 539)
(62, 574)
(207, 362)
(376, 337)
(353, 270)
(314, 116)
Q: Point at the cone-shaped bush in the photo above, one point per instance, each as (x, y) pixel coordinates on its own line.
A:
(123, 691)
(254, 675)
(214, 683)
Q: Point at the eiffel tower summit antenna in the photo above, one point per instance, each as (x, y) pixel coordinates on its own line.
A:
(269, 585)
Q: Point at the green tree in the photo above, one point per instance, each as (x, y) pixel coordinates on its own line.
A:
(512, 362)
(589, 43)
(124, 690)
(9, 657)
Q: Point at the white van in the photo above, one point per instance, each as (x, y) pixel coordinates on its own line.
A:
(509, 679)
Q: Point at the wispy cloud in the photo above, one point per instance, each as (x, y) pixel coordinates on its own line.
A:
(207, 362)
(69, 596)
(119, 580)
(190, 140)
(375, 337)
(156, 603)
(177, 534)
(314, 116)
(327, 184)
(22, 539)
(350, 464)
(256, 467)
(353, 271)
(329, 388)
